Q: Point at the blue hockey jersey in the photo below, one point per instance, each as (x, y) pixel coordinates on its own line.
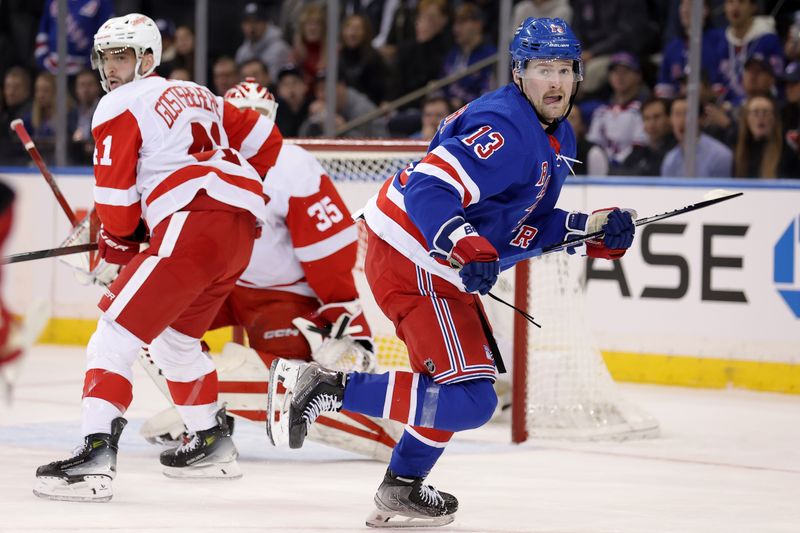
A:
(491, 163)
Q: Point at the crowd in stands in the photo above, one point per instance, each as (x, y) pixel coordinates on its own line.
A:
(630, 112)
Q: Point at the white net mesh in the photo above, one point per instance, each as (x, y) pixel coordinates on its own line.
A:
(570, 393)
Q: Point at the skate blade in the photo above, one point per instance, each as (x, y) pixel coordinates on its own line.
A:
(390, 519)
(228, 470)
(95, 489)
(285, 373)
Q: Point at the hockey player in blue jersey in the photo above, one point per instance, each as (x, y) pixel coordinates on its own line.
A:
(486, 190)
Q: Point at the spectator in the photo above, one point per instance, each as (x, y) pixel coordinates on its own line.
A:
(617, 125)
(761, 151)
(361, 65)
(257, 70)
(226, 75)
(262, 40)
(168, 51)
(401, 30)
(350, 104)
(84, 18)
(605, 27)
(470, 48)
(758, 77)
(593, 159)
(378, 14)
(542, 8)
(293, 100)
(184, 50)
(745, 36)
(40, 120)
(16, 103)
(790, 115)
(675, 60)
(87, 95)
(792, 46)
(180, 73)
(646, 160)
(435, 109)
(308, 45)
(715, 159)
(420, 61)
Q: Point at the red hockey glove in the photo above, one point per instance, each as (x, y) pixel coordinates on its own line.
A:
(116, 250)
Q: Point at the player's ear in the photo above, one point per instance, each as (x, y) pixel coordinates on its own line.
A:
(147, 62)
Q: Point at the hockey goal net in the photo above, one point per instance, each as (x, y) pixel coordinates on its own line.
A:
(560, 386)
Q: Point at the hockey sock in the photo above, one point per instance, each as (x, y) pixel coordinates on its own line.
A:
(417, 400)
(106, 395)
(196, 401)
(418, 450)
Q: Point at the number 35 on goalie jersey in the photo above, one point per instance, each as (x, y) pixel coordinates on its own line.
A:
(158, 142)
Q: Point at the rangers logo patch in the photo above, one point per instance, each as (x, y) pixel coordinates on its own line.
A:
(430, 366)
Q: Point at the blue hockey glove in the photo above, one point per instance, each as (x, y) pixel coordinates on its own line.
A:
(473, 255)
(617, 225)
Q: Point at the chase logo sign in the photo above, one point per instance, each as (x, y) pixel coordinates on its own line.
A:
(786, 273)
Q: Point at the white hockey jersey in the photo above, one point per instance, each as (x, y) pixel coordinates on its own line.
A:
(158, 142)
(309, 242)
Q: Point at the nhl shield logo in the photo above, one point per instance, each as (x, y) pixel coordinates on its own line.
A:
(555, 28)
(488, 353)
(430, 366)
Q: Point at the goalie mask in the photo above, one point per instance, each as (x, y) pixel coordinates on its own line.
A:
(251, 95)
(135, 31)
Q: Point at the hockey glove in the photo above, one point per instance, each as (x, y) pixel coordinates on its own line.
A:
(473, 255)
(116, 250)
(617, 224)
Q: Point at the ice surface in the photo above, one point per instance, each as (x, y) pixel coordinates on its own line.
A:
(728, 462)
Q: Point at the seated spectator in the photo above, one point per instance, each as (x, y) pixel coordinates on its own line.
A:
(293, 100)
(184, 50)
(420, 61)
(180, 73)
(605, 27)
(87, 95)
(746, 35)
(675, 56)
(646, 160)
(262, 40)
(542, 8)
(790, 114)
(361, 65)
(350, 104)
(40, 120)
(435, 109)
(84, 18)
(168, 51)
(308, 45)
(617, 125)
(758, 77)
(257, 70)
(470, 48)
(713, 160)
(226, 75)
(15, 103)
(761, 151)
(593, 159)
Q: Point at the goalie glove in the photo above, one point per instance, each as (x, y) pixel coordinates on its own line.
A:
(339, 337)
(615, 222)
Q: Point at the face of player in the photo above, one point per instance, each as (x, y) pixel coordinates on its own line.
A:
(548, 86)
(119, 65)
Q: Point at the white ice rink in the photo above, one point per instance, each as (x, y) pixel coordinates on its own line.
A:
(728, 462)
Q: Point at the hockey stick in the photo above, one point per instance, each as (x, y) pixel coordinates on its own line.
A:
(536, 252)
(52, 252)
(19, 127)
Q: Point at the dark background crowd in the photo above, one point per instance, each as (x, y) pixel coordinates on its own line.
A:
(630, 116)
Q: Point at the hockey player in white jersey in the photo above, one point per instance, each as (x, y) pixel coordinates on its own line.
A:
(297, 298)
(487, 190)
(166, 172)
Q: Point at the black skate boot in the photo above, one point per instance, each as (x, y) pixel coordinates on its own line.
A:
(209, 453)
(412, 502)
(310, 391)
(87, 475)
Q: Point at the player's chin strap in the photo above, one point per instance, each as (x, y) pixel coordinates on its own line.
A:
(553, 124)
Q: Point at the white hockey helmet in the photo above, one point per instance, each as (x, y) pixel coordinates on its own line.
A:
(135, 31)
(249, 94)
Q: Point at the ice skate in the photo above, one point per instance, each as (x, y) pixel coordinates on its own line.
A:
(310, 391)
(209, 453)
(407, 502)
(87, 475)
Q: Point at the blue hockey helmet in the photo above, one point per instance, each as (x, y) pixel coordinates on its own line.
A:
(545, 38)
